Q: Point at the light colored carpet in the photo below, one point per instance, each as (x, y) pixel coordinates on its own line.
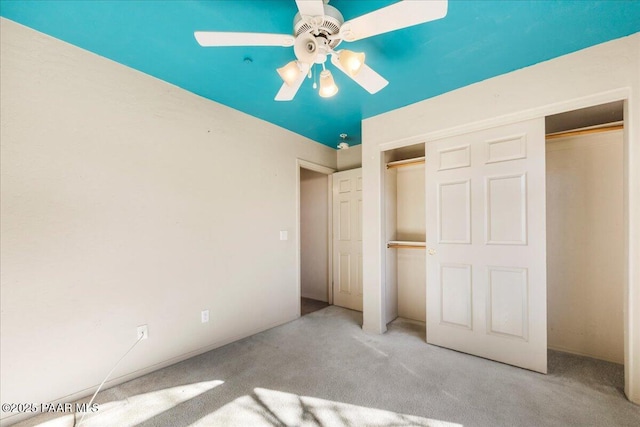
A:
(326, 356)
(265, 408)
(308, 305)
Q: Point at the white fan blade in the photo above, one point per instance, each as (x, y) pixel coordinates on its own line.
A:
(371, 81)
(286, 92)
(405, 13)
(310, 7)
(218, 38)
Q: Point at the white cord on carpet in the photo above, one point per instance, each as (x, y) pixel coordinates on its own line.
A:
(108, 375)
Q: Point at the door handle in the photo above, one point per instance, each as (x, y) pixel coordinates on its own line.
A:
(431, 251)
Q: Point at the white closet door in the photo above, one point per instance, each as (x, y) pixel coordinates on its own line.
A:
(347, 239)
(486, 244)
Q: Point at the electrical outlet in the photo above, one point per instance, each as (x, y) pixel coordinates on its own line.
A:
(204, 316)
(143, 332)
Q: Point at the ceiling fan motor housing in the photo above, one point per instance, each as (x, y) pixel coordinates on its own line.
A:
(327, 25)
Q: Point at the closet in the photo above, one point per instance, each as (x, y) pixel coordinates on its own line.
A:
(525, 238)
(405, 233)
(585, 232)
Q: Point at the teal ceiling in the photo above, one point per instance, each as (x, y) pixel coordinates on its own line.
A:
(475, 41)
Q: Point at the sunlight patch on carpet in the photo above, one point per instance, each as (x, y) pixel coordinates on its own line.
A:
(274, 408)
(136, 409)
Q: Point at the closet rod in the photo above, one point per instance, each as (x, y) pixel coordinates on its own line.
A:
(584, 131)
(401, 246)
(403, 163)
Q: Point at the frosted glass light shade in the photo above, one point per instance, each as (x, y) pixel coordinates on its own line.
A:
(352, 62)
(328, 87)
(290, 72)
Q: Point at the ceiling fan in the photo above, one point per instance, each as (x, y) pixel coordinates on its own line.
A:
(318, 29)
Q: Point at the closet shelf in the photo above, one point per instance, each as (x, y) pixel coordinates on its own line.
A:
(406, 162)
(403, 244)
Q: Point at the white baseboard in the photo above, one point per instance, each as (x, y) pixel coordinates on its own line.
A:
(577, 353)
(316, 297)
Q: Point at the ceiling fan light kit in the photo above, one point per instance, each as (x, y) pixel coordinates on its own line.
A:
(328, 86)
(290, 72)
(318, 29)
(352, 62)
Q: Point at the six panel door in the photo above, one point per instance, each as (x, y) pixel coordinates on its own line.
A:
(486, 244)
(347, 239)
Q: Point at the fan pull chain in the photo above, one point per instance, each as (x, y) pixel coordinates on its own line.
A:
(315, 84)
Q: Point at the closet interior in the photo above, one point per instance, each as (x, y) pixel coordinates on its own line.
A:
(585, 232)
(405, 234)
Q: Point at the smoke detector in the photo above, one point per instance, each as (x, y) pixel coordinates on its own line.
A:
(343, 145)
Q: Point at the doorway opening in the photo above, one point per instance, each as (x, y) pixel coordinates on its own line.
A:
(585, 240)
(314, 218)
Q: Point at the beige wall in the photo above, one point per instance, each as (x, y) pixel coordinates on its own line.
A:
(128, 201)
(410, 225)
(585, 251)
(350, 159)
(599, 74)
(314, 237)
